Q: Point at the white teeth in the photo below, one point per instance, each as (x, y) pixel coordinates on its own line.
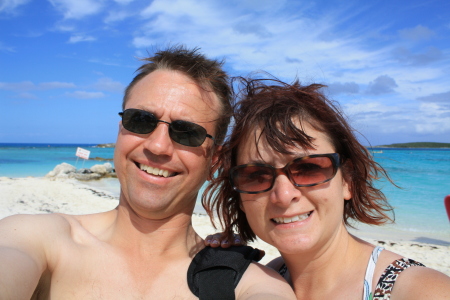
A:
(292, 219)
(154, 171)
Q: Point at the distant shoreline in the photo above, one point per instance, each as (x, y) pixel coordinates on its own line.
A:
(418, 148)
(415, 145)
(423, 145)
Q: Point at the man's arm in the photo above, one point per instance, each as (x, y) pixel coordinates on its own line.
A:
(22, 254)
(260, 282)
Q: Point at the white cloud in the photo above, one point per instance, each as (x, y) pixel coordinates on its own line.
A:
(253, 39)
(258, 30)
(6, 48)
(382, 85)
(404, 55)
(28, 85)
(77, 9)
(417, 33)
(336, 88)
(436, 98)
(123, 2)
(65, 27)
(433, 119)
(363, 109)
(142, 42)
(25, 95)
(116, 15)
(80, 38)
(56, 85)
(104, 61)
(345, 46)
(395, 119)
(289, 41)
(24, 85)
(370, 116)
(10, 6)
(107, 84)
(85, 95)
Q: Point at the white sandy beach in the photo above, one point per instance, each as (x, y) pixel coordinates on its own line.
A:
(43, 195)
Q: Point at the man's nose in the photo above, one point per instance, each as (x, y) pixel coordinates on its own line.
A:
(159, 141)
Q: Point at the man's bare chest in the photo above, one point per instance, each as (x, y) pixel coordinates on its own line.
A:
(110, 276)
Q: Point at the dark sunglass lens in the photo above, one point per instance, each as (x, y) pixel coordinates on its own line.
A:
(139, 121)
(187, 133)
(312, 170)
(252, 178)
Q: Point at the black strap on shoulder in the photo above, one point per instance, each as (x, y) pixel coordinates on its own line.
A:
(214, 273)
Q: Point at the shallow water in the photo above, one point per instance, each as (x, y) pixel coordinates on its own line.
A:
(423, 175)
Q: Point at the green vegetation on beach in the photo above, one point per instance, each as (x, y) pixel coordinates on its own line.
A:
(109, 145)
(418, 145)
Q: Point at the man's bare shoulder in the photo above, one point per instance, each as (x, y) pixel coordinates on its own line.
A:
(27, 245)
(38, 225)
(46, 227)
(261, 282)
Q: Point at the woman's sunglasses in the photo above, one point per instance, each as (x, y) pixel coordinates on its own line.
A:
(183, 132)
(304, 171)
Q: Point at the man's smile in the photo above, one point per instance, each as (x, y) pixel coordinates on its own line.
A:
(155, 171)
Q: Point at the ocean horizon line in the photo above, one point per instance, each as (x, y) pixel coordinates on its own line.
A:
(2, 145)
(51, 144)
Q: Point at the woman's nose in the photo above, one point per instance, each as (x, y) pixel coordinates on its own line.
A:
(284, 192)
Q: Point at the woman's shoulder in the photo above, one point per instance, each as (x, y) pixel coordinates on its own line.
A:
(264, 283)
(412, 279)
(420, 282)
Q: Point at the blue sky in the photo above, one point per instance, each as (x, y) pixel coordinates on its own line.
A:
(65, 63)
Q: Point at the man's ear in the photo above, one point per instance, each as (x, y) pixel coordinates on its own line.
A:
(214, 161)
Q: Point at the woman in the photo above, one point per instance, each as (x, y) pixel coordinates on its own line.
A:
(293, 173)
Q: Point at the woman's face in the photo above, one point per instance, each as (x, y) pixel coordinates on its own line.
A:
(294, 219)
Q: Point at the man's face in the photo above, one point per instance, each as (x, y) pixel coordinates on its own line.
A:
(170, 96)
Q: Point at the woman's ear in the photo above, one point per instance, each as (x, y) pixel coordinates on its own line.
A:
(347, 180)
(347, 192)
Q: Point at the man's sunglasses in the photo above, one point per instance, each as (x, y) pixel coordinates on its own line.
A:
(183, 132)
(302, 172)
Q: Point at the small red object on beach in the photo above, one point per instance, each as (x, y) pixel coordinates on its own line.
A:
(447, 205)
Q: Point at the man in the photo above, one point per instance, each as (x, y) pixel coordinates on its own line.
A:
(175, 113)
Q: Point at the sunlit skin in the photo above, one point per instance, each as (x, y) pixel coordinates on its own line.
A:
(143, 248)
(324, 261)
(169, 96)
(309, 247)
(324, 203)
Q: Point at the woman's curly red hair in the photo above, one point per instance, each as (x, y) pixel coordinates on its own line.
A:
(262, 103)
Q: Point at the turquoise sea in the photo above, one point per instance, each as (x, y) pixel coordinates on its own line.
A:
(422, 174)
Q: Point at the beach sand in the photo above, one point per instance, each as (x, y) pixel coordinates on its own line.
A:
(43, 195)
